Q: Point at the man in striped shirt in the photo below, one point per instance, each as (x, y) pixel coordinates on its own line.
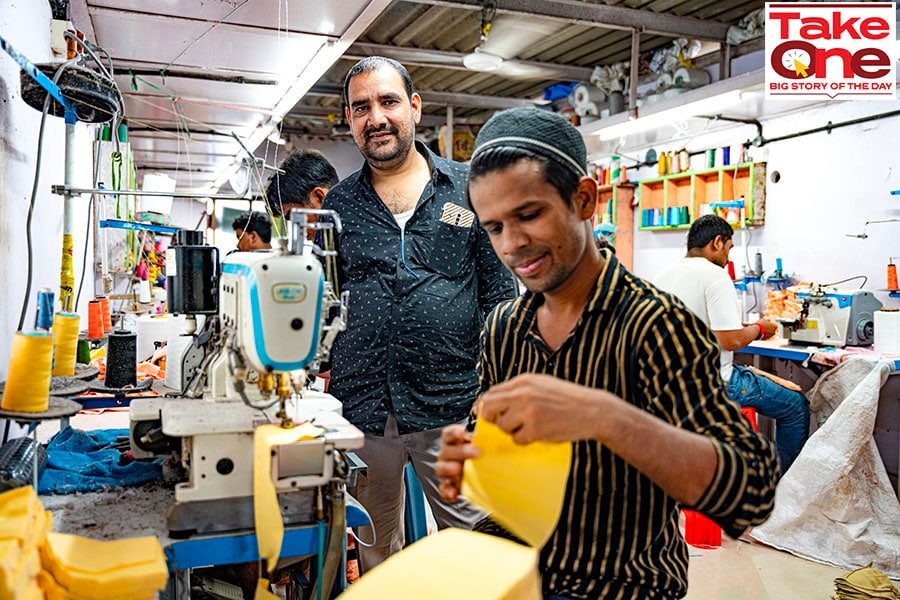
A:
(595, 356)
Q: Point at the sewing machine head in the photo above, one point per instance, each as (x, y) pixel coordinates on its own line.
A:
(277, 319)
(832, 317)
(274, 310)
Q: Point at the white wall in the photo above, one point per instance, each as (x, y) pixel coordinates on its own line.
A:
(831, 184)
(28, 31)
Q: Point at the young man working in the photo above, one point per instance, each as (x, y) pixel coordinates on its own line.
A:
(421, 276)
(253, 231)
(595, 356)
(700, 281)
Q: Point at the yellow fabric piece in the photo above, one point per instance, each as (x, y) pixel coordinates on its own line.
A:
(866, 582)
(522, 486)
(454, 564)
(262, 591)
(91, 569)
(266, 511)
(21, 514)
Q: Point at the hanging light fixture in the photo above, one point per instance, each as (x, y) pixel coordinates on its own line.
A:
(478, 60)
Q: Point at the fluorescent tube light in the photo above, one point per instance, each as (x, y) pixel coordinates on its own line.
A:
(668, 116)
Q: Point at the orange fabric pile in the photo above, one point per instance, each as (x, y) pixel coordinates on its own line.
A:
(782, 304)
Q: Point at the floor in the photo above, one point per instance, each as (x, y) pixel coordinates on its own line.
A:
(740, 570)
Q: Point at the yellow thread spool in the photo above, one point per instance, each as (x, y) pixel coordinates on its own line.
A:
(28, 379)
(65, 330)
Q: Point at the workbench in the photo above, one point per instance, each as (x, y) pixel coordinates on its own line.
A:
(141, 511)
(803, 365)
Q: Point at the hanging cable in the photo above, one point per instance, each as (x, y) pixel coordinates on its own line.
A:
(37, 175)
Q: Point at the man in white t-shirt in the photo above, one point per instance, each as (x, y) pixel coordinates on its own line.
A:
(700, 281)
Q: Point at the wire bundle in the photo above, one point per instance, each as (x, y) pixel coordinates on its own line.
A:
(28, 380)
(65, 330)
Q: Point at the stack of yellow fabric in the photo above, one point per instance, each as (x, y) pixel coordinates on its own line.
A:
(36, 563)
(23, 527)
(77, 568)
(867, 583)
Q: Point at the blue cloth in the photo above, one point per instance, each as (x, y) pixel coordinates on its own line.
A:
(87, 461)
(788, 408)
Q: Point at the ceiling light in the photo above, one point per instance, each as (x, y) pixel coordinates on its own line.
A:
(482, 61)
(671, 115)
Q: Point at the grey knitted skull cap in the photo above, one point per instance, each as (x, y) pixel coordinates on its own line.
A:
(542, 132)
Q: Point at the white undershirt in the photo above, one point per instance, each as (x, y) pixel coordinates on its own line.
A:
(403, 217)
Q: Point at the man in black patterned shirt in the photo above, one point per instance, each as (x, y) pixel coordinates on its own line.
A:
(595, 356)
(422, 276)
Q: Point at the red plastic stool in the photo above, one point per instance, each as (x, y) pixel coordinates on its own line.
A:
(700, 531)
(750, 413)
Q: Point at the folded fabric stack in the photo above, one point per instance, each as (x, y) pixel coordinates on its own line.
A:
(867, 583)
(24, 525)
(36, 563)
(77, 568)
(451, 564)
(782, 304)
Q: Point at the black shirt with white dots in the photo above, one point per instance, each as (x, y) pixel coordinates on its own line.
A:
(418, 299)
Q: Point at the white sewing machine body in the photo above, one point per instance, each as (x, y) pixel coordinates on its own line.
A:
(273, 329)
(832, 317)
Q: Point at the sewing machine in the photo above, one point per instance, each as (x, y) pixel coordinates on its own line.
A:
(832, 317)
(277, 319)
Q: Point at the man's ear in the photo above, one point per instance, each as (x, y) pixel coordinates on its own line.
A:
(317, 196)
(416, 101)
(586, 197)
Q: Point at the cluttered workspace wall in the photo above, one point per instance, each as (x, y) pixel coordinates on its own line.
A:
(29, 33)
(830, 185)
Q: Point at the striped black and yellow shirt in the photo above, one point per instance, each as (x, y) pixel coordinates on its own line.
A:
(618, 535)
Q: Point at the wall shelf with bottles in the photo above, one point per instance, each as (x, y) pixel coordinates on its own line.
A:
(674, 201)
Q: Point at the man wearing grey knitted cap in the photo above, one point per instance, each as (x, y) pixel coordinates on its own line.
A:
(596, 357)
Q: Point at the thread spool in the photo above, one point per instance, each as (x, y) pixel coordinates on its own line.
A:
(107, 316)
(892, 277)
(83, 354)
(44, 315)
(711, 158)
(151, 329)
(661, 167)
(65, 332)
(684, 161)
(121, 359)
(144, 296)
(95, 320)
(28, 379)
(726, 156)
(887, 331)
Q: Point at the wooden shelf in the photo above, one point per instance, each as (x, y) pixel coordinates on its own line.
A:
(674, 201)
(614, 205)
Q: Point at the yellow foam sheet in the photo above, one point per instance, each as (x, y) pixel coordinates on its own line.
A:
(267, 513)
(454, 564)
(98, 569)
(521, 486)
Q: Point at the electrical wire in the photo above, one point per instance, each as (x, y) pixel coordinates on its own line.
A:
(34, 187)
(865, 279)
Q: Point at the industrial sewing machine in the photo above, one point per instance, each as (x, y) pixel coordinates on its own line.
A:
(277, 319)
(832, 317)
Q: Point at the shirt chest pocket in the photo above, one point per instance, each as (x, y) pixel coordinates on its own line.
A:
(450, 248)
